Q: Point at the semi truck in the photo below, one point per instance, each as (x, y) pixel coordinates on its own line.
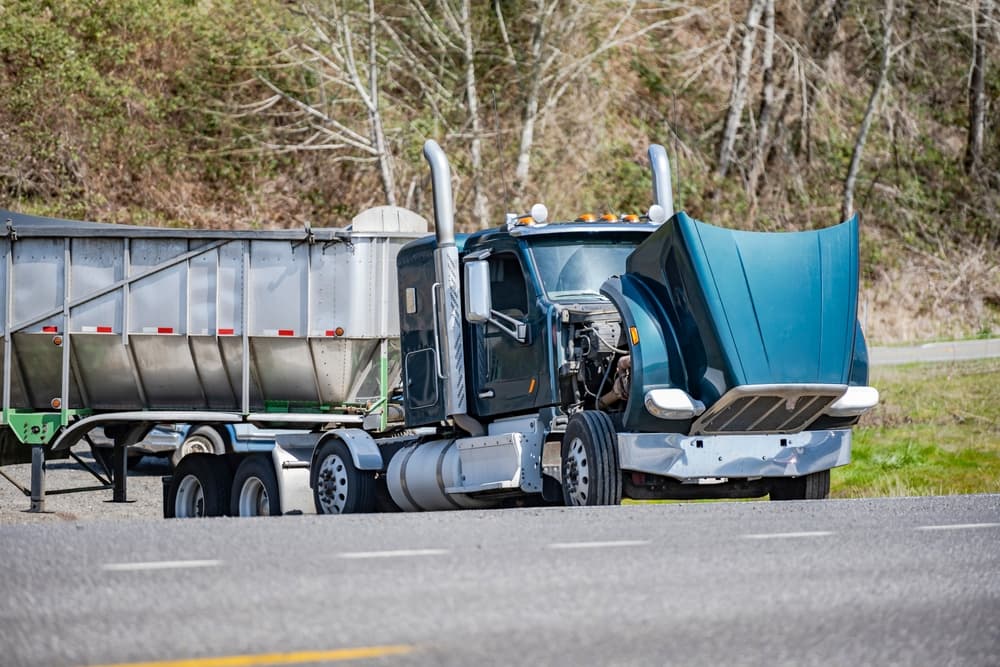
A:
(574, 362)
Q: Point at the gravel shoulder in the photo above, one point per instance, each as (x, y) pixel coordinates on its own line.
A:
(145, 493)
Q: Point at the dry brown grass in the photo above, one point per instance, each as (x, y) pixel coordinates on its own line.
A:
(952, 294)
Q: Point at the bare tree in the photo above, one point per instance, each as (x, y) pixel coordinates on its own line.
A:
(539, 38)
(738, 94)
(977, 96)
(550, 70)
(451, 33)
(320, 117)
(847, 209)
(766, 102)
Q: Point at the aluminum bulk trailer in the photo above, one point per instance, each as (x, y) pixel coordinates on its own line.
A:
(291, 326)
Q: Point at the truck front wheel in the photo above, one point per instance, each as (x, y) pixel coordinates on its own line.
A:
(591, 474)
(814, 486)
(338, 486)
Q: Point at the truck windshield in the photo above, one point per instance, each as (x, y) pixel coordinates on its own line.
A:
(572, 268)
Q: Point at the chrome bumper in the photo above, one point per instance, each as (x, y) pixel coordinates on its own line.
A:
(686, 457)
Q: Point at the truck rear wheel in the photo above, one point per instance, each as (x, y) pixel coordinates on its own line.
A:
(201, 440)
(255, 489)
(591, 474)
(814, 486)
(339, 487)
(199, 487)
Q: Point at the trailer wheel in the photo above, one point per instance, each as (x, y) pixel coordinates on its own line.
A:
(255, 489)
(814, 486)
(591, 474)
(202, 440)
(199, 487)
(339, 487)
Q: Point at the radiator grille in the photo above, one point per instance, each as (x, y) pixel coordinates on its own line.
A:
(767, 409)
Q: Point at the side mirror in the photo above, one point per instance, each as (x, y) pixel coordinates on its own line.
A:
(478, 304)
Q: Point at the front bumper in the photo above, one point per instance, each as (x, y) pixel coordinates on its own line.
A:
(689, 457)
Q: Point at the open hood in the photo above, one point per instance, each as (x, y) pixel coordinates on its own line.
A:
(744, 308)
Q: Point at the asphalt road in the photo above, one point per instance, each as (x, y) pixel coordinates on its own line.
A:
(960, 350)
(909, 581)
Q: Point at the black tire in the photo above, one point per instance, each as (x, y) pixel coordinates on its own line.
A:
(199, 487)
(200, 440)
(255, 488)
(815, 486)
(338, 487)
(591, 474)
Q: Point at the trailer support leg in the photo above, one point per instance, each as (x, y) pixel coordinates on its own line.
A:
(37, 479)
(119, 464)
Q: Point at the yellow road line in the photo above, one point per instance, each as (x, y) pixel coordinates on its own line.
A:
(262, 659)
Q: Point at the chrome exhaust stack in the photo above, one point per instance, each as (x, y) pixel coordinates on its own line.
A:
(447, 294)
(663, 193)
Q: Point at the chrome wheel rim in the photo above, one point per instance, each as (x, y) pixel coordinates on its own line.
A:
(576, 473)
(190, 502)
(254, 500)
(197, 445)
(331, 485)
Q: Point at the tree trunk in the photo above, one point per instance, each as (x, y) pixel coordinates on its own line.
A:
(859, 146)
(764, 115)
(375, 116)
(480, 210)
(530, 114)
(818, 45)
(977, 95)
(738, 95)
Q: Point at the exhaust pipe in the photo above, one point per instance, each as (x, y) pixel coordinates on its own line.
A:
(663, 193)
(447, 292)
(444, 210)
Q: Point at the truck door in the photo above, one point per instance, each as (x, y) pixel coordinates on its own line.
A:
(507, 373)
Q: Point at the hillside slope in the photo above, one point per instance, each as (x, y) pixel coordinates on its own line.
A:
(259, 114)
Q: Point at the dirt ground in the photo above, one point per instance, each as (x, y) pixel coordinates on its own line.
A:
(144, 492)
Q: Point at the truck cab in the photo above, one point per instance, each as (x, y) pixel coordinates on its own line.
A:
(650, 356)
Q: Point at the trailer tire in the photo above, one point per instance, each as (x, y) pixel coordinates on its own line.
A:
(814, 486)
(338, 486)
(199, 487)
(201, 440)
(255, 489)
(591, 474)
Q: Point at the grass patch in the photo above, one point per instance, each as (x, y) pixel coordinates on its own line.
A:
(936, 431)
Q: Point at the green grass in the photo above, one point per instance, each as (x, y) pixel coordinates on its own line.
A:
(936, 431)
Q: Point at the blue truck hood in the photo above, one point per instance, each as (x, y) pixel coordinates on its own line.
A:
(738, 308)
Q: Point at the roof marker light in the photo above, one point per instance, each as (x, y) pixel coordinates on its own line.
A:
(609, 217)
(657, 214)
(587, 217)
(539, 213)
(630, 217)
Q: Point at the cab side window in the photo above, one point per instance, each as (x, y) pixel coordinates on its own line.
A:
(508, 288)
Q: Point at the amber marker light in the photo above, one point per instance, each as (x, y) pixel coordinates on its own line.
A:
(609, 217)
(339, 331)
(57, 340)
(634, 333)
(56, 403)
(630, 217)
(531, 388)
